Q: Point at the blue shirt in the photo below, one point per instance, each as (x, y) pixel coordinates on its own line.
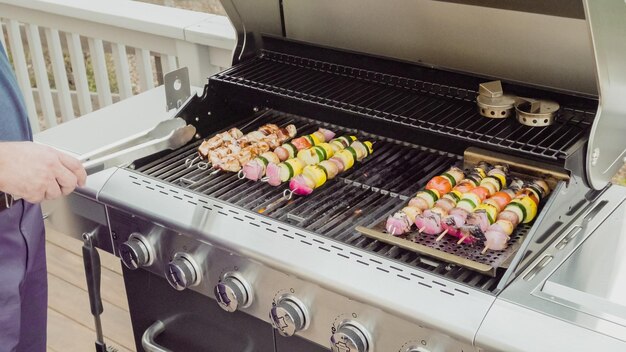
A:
(14, 124)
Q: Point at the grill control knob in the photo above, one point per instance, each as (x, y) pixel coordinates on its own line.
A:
(182, 272)
(289, 316)
(136, 252)
(350, 336)
(233, 292)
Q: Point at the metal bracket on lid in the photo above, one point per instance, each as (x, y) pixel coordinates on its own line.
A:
(607, 147)
(177, 88)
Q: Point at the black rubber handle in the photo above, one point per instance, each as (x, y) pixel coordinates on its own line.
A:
(101, 347)
(91, 259)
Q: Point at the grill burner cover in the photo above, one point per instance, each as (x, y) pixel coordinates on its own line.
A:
(492, 102)
(536, 113)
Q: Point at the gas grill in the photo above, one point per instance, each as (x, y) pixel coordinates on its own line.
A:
(307, 264)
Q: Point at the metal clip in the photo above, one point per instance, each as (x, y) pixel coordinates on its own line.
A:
(287, 194)
(189, 162)
(8, 200)
(202, 165)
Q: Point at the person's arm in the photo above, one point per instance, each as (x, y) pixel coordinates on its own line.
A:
(35, 172)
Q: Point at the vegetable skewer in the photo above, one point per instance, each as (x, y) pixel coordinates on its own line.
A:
(486, 213)
(493, 182)
(522, 209)
(401, 221)
(255, 169)
(315, 175)
(285, 171)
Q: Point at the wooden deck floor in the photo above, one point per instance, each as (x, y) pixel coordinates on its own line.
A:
(70, 323)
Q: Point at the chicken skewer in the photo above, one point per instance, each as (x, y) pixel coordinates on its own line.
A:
(225, 149)
(233, 156)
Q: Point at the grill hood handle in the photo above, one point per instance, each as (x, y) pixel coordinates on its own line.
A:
(151, 333)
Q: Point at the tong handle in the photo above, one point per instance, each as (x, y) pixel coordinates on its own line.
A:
(91, 260)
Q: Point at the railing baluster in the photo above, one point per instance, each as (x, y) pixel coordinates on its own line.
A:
(79, 72)
(60, 75)
(144, 68)
(122, 70)
(21, 72)
(100, 73)
(41, 74)
(168, 63)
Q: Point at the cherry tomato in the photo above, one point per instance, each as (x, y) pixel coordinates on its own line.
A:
(464, 187)
(481, 192)
(439, 183)
(501, 198)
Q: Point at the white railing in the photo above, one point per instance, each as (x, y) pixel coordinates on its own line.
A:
(84, 46)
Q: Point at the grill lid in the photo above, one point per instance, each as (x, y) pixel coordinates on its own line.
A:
(606, 150)
(542, 43)
(534, 42)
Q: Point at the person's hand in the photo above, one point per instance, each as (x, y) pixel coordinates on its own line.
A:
(35, 172)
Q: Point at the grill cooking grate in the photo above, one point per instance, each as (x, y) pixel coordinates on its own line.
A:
(361, 197)
(408, 102)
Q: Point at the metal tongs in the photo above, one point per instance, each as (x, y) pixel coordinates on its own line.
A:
(167, 134)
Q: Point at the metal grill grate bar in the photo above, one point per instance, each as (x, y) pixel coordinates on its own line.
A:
(360, 197)
(422, 105)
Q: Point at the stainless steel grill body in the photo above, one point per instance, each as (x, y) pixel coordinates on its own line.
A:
(422, 119)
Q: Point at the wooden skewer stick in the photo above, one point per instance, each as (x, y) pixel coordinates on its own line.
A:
(462, 239)
(422, 229)
(484, 250)
(441, 236)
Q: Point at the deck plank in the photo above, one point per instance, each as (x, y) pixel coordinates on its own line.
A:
(69, 267)
(73, 302)
(65, 335)
(75, 246)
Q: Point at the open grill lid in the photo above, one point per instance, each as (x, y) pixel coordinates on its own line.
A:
(533, 42)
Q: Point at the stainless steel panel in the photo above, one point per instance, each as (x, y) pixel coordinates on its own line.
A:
(607, 146)
(592, 279)
(565, 8)
(565, 203)
(512, 328)
(605, 214)
(406, 292)
(326, 308)
(109, 125)
(519, 46)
